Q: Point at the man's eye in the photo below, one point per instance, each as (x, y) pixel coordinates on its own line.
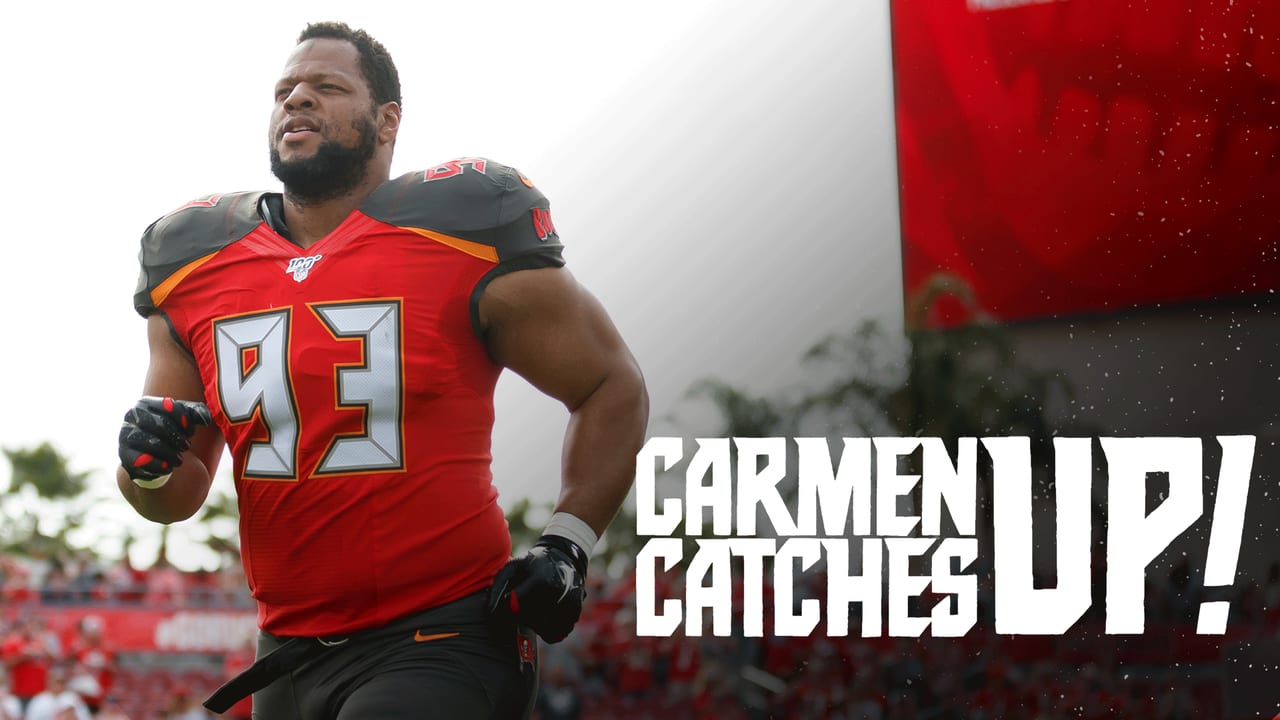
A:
(282, 93)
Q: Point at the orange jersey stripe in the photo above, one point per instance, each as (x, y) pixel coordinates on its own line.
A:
(474, 249)
(163, 289)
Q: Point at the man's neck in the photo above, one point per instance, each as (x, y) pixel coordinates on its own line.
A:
(309, 222)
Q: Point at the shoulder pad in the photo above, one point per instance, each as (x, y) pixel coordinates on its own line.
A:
(174, 244)
(473, 199)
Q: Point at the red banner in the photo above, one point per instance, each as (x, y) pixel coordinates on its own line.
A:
(1069, 156)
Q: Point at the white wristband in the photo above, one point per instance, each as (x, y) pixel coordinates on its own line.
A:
(153, 483)
(574, 529)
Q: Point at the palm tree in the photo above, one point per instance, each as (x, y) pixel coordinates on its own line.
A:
(44, 472)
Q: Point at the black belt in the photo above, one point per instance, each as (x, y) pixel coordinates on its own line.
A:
(292, 654)
(297, 651)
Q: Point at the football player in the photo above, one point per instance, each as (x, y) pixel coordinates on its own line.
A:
(343, 339)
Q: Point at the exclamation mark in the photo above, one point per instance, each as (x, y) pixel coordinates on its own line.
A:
(1226, 528)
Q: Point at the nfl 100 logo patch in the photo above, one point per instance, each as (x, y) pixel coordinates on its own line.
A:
(300, 267)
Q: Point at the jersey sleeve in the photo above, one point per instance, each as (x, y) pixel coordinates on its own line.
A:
(479, 206)
(178, 243)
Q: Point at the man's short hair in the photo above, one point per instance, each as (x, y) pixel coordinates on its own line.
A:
(375, 62)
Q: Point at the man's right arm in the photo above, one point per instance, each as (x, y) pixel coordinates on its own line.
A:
(172, 373)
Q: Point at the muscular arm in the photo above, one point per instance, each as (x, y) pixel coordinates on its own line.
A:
(172, 373)
(547, 328)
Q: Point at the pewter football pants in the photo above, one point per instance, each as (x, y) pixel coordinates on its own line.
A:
(449, 662)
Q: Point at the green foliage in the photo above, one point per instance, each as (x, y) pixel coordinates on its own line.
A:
(524, 534)
(744, 415)
(45, 470)
(219, 517)
(962, 382)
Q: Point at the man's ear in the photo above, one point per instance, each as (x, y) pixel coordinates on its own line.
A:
(388, 122)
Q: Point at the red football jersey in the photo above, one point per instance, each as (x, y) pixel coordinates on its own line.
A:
(352, 386)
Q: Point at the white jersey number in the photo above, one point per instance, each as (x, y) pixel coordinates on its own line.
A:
(252, 356)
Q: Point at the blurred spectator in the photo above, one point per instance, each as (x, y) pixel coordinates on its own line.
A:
(558, 699)
(86, 577)
(27, 659)
(165, 585)
(17, 588)
(57, 701)
(41, 632)
(183, 705)
(681, 661)
(56, 588)
(90, 650)
(201, 589)
(233, 587)
(124, 582)
(84, 684)
(10, 705)
(111, 710)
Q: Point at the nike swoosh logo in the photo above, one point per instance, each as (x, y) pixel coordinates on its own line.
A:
(419, 637)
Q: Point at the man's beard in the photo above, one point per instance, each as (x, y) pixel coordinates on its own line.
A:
(332, 172)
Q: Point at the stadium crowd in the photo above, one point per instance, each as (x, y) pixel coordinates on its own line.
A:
(604, 670)
(76, 674)
(1167, 673)
(81, 578)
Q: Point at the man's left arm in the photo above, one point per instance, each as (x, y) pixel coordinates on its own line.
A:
(550, 330)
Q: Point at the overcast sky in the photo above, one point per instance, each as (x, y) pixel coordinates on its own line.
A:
(721, 173)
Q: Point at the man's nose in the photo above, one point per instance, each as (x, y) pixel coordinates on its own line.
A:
(300, 97)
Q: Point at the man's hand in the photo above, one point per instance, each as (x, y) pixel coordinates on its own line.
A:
(155, 433)
(543, 590)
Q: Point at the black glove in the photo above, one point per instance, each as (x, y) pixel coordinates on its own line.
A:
(155, 432)
(543, 590)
